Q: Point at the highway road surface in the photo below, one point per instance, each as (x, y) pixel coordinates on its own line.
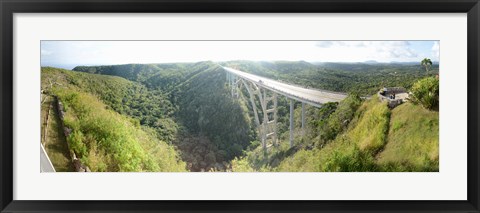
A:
(45, 163)
(312, 96)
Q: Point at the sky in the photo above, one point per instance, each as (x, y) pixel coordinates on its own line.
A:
(68, 54)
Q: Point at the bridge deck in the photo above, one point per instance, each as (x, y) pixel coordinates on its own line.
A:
(311, 96)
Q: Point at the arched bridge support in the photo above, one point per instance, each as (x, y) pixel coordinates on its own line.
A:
(263, 94)
(266, 117)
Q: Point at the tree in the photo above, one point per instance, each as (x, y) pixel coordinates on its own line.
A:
(426, 92)
(427, 63)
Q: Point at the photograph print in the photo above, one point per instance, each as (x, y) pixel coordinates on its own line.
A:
(240, 106)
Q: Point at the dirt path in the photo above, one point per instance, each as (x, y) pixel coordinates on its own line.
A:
(53, 138)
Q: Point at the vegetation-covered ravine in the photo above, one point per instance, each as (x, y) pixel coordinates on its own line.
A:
(182, 117)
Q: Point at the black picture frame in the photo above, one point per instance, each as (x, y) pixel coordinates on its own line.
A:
(9, 7)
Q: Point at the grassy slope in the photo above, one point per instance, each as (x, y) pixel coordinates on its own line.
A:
(350, 151)
(370, 129)
(105, 87)
(104, 139)
(124, 96)
(377, 139)
(413, 140)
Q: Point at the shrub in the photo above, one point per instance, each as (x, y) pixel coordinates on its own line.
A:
(338, 120)
(76, 143)
(426, 93)
(107, 141)
(353, 160)
(241, 165)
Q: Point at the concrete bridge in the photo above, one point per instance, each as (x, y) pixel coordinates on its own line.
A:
(267, 91)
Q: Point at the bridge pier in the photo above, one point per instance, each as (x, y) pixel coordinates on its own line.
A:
(229, 80)
(275, 142)
(291, 122)
(252, 102)
(267, 128)
(267, 92)
(303, 118)
(232, 87)
(234, 84)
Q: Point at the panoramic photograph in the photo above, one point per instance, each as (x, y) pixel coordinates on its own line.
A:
(240, 106)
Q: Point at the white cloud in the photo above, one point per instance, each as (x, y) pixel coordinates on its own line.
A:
(383, 51)
(122, 52)
(324, 44)
(46, 52)
(436, 50)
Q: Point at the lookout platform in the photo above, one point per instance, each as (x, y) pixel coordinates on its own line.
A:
(393, 95)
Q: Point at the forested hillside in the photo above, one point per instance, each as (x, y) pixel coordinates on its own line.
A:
(163, 76)
(364, 79)
(208, 125)
(101, 138)
(145, 117)
(207, 108)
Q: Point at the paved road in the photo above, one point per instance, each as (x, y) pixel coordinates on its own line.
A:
(45, 164)
(311, 96)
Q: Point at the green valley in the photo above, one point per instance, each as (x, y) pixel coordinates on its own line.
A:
(186, 117)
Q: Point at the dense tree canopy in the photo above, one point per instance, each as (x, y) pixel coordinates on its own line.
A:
(361, 78)
(189, 106)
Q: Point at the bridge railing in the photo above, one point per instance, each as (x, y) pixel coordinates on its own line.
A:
(310, 88)
(290, 95)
